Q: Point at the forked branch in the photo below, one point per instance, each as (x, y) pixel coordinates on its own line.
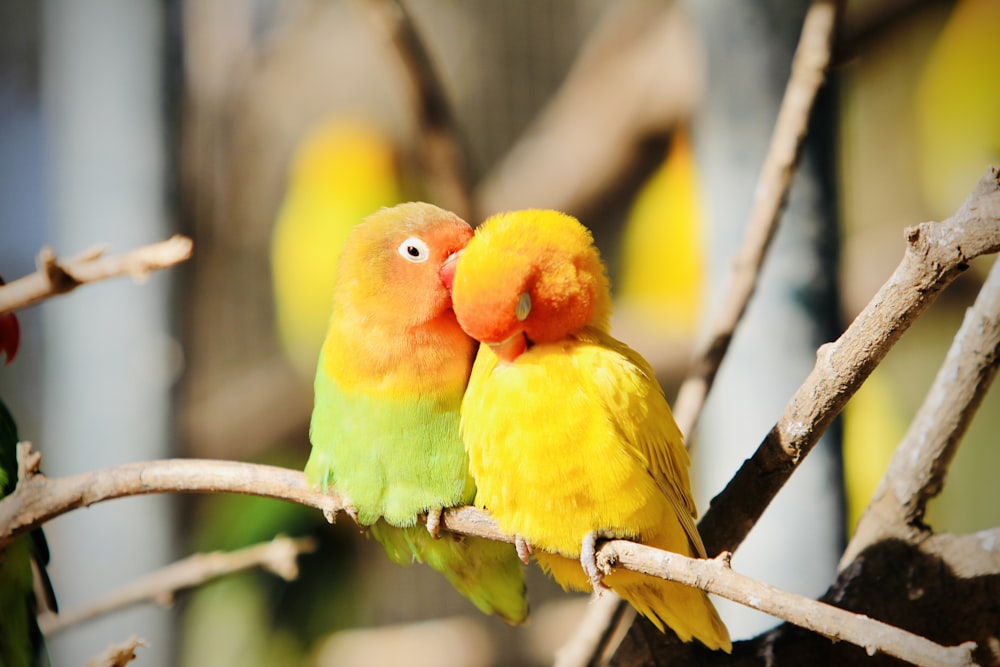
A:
(918, 467)
(936, 253)
(279, 556)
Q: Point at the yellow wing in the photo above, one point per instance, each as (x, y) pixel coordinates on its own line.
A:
(575, 437)
(585, 426)
(626, 384)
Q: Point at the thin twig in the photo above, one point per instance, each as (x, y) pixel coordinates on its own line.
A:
(37, 499)
(55, 276)
(441, 151)
(936, 254)
(809, 65)
(716, 576)
(918, 467)
(278, 556)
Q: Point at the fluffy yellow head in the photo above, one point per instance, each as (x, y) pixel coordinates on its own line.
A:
(528, 277)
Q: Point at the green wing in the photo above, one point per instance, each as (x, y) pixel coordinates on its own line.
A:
(394, 458)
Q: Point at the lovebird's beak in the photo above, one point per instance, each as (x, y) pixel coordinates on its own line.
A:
(447, 271)
(510, 348)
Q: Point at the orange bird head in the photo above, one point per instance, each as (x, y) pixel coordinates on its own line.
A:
(399, 263)
(530, 277)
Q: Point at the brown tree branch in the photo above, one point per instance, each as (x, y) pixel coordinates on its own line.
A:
(716, 576)
(943, 588)
(809, 65)
(936, 254)
(278, 556)
(918, 467)
(441, 148)
(37, 499)
(55, 277)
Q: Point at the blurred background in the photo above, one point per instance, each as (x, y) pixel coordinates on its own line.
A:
(265, 129)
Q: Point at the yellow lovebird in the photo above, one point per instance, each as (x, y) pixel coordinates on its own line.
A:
(957, 106)
(569, 436)
(662, 256)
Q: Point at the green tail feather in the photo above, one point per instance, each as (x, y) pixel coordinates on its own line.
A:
(488, 573)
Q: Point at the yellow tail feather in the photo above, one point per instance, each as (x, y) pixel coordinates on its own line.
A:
(687, 611)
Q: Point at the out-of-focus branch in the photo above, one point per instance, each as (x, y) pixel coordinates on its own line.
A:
(278, 556)
(592, 634)
(247, 411)
(441, 151)
(918, 467)
(935, 255)
(37, 499)
(636, 78)
(809, 66)
(56, 276)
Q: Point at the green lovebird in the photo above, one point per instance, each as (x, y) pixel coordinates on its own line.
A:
(21, 642)
(389, 386)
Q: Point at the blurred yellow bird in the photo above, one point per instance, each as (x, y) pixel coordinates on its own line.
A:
(957, 125)
(343, 170)
(662, 256)
(958, 105)
(569, 436)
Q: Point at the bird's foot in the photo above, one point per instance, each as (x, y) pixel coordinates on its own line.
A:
(524, 549)
(588, 559)
(434, 521)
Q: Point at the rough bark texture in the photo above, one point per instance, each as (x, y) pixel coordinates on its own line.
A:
(941, 587)
(927, 588)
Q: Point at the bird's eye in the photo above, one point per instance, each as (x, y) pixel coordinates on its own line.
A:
(523, 307)
(413, 250)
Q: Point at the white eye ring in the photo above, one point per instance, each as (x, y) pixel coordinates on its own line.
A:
(414, 250)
